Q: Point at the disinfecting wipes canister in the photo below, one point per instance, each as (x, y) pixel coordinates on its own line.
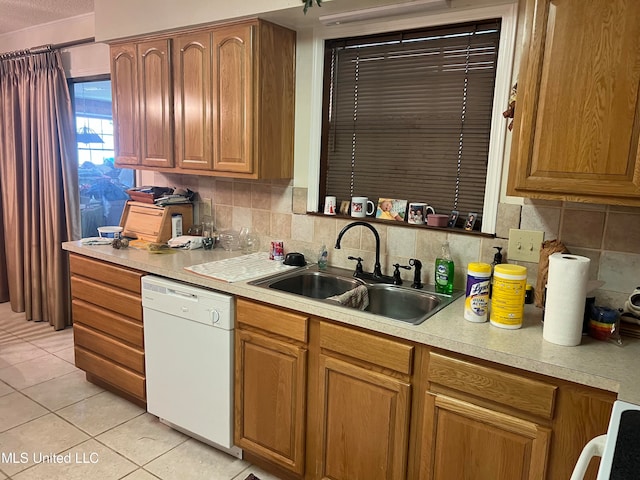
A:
(507, 301)
(476, 305)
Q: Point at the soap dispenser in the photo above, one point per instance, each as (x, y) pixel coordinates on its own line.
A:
(497, 260)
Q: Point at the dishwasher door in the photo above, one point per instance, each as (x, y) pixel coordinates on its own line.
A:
(188, 337)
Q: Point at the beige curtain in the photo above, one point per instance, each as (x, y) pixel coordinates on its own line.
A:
(38, 183)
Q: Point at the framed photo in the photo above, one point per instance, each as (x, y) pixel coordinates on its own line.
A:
(391, 209)
(470, 221)
(453, 218)
(344, 207)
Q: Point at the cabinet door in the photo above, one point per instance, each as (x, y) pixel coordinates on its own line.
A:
(578, 113)
(233, 81)
(364, 423)
(124, 88)
(156, 103)
(467, 442)
(270, 390)
(192, 98)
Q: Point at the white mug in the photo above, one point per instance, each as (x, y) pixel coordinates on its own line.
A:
(418, 212)
(329, 205)
(360, 207)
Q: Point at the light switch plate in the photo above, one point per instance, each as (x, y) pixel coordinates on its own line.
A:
(524, 245)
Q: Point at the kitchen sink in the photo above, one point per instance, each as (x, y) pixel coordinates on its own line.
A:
(406, 304)
(391, 301)
(314, 284)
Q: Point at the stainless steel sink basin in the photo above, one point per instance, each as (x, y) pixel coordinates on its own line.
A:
(396, 302)
(405, 304)
(313, 284)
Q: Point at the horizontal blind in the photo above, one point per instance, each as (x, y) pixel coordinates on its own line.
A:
(409, 115)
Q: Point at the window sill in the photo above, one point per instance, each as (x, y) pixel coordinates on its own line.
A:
(373, 220)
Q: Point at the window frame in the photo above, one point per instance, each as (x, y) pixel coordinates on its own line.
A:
(497, 145)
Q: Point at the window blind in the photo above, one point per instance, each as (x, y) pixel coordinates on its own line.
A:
(408, 115)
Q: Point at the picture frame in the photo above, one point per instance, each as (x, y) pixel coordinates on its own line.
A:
(453, 219)
(470, 221)
(344, 207)
(391, 209)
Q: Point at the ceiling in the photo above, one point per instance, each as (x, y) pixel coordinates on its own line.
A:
(21, 14)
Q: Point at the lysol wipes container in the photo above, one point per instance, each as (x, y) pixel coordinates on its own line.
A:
(507, 302)
(476, 305)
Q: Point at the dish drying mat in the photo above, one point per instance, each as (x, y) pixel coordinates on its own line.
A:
(238, 269)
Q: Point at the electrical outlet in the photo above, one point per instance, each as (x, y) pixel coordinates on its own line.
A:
(524, 245)
(205, 207)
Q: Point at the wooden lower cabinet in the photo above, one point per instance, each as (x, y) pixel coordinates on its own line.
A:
(364, 423)
(319, 401)
(107, 326)
(363, 405)
(465, 441)
(270, 384)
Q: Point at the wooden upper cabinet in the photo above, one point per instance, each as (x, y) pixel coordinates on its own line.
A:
(156, 103)
(215, 101)
(124, 86)
(233, 98)
(142, 103)
(577, 121)
(192, 96)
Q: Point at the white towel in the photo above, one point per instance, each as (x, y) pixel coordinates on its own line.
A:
(355, 298)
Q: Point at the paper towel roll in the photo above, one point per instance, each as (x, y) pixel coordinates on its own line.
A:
(565, 299)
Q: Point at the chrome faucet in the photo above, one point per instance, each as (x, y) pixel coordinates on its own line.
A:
(377, 271)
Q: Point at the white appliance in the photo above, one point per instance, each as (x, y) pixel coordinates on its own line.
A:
(619, 447)
(188, 343)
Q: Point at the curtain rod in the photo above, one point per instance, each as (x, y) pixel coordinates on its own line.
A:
(43, 48)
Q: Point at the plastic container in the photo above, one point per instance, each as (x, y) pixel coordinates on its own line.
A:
(444, 269)
(507, 303)
(323, 257)
(110, 232)
(176, 225)
(476, 304)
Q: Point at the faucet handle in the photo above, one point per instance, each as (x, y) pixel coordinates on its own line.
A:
(396, 273)
(358, 265)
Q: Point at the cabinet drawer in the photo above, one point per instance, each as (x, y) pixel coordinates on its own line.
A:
(274, 320)
(109, 347)
(117, 276)
(379, 351)
(107, 297)
(110, 372)
(108, 322)
(522, 393)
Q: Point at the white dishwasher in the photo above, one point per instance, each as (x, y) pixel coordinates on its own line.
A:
(188, 343)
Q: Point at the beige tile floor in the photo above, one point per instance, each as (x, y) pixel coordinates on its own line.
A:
(47, 408)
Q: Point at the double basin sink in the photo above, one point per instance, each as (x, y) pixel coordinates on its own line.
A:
(401, 303)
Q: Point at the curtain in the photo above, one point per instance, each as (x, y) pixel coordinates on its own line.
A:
(38, 183)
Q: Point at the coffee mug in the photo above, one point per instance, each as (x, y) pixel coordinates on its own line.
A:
(418, 212)
(329, 205)
(360, 207)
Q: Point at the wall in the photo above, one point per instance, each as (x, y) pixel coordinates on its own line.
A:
(84, 60)
(608, 235)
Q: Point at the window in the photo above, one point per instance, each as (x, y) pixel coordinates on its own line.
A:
(102, 186)
(409, 115)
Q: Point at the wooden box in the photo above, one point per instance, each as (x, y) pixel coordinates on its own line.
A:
(153, 223)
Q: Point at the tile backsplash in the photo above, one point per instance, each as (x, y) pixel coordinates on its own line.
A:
(608, 235)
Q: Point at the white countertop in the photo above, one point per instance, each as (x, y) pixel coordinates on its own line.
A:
(594, 363)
